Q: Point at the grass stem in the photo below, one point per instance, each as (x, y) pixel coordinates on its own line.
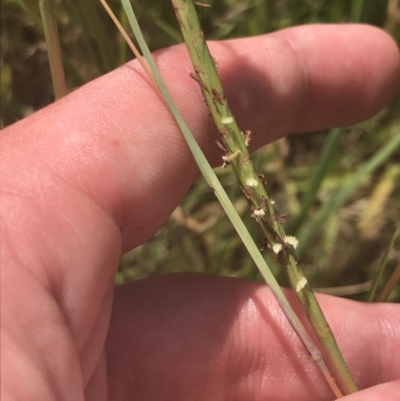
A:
(53, 48)
(235, 143)
(371, 294)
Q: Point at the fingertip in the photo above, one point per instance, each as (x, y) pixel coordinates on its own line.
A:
(349, 73)
(382, 58)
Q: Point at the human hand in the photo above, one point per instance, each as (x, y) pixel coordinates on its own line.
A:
(98, 172)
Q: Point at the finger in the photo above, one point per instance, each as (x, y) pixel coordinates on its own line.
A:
(189, 336)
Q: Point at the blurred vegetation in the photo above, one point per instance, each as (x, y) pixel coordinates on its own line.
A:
(346, 249)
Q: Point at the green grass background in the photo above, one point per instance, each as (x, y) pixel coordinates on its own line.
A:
(350, 240)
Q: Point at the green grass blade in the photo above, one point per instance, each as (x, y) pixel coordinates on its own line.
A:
(320, 172)
(31, 8)
(390, 285)
(371, 294)
(122, 45)
(214, 183)
(358, 10)
(167, 29)
(310, 229)
(97, 32)
(53, 48)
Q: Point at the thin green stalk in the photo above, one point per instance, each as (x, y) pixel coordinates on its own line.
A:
(30, 6)
(320, 171)
(371, 294)
(308, 230)
(234, 142)
(390, 285)
(358, 10)
(122, 45)
(99, 35)
(214, 183)
(53, 48)
(170, 31)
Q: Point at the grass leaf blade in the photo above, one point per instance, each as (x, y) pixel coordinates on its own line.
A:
(310, 229)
